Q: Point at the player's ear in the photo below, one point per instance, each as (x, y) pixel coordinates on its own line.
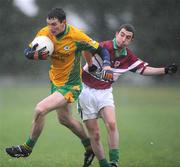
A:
(117, 33)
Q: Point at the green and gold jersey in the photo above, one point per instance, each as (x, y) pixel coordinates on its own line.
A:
(65, 61)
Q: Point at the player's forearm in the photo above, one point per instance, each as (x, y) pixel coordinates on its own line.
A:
(154, 71)
(104, 54)
(88, 57)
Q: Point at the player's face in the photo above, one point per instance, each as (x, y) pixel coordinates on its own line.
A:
(123, 38)
(55, 26)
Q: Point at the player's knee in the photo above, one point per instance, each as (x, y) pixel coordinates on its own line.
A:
(96, 135)
(111, 126)
(40, 110)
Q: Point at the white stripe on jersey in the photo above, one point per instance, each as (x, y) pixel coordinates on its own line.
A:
(116, 71)
(127, 69)
(140, 69)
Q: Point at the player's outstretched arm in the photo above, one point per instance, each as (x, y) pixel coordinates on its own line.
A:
(33, 54)
(170, 69)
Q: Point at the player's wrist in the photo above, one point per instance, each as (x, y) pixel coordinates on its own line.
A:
(106, 63)
(165, 70)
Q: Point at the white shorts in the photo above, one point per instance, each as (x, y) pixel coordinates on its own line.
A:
(91, 101)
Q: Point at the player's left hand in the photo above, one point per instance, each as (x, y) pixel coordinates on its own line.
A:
(171, 69)
(92, 68)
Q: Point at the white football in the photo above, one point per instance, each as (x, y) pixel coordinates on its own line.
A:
(43, 41)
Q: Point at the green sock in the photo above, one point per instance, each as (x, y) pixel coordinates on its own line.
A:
(87, 145)
(29, 144)
(103, 163)
(114, 155)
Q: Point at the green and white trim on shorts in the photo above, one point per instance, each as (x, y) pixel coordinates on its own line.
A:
(70, 92)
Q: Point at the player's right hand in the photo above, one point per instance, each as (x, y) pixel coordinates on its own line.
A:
(107, 75)
(32, 53)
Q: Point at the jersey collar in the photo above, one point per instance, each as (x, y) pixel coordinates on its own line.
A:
(62, 34)
(118, 53)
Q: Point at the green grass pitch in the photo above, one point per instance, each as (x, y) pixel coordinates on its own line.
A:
(148, 120)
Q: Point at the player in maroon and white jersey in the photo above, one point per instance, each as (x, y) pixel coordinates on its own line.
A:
(96, 99)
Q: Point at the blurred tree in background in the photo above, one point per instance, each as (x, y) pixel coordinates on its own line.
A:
(157, 38)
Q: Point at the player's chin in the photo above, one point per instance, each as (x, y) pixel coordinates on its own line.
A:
(123, 45)
(54, 33)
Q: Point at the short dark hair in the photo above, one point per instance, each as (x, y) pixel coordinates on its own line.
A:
(128, 27)
(57, 13)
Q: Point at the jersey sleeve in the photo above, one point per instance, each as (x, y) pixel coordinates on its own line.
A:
(137, 65)
(42, 32)
(84, 42)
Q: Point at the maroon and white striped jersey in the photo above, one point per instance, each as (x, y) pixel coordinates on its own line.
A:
(121, 62)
